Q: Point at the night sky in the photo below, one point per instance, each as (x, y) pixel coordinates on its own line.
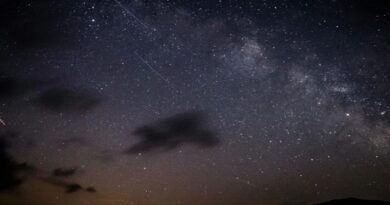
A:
(142, 102)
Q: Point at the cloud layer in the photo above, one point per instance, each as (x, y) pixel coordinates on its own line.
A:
(173, 132)
(11, 172)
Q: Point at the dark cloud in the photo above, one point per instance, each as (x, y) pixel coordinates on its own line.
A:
(12, 173)
(90, 189)
(173, 132)
(67, 100)
(69, 187)
(63, 172)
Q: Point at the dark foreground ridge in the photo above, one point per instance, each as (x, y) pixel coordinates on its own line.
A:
(354, 201)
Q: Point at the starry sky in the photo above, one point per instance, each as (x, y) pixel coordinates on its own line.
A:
(223, 102)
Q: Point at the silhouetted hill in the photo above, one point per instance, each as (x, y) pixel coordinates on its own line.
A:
(354, 201)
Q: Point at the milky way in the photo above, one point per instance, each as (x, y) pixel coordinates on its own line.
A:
(194, 102)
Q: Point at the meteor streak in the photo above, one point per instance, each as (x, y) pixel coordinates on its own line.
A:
(144, 61)
(152, 69)
(2, 122)
(131, 13)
